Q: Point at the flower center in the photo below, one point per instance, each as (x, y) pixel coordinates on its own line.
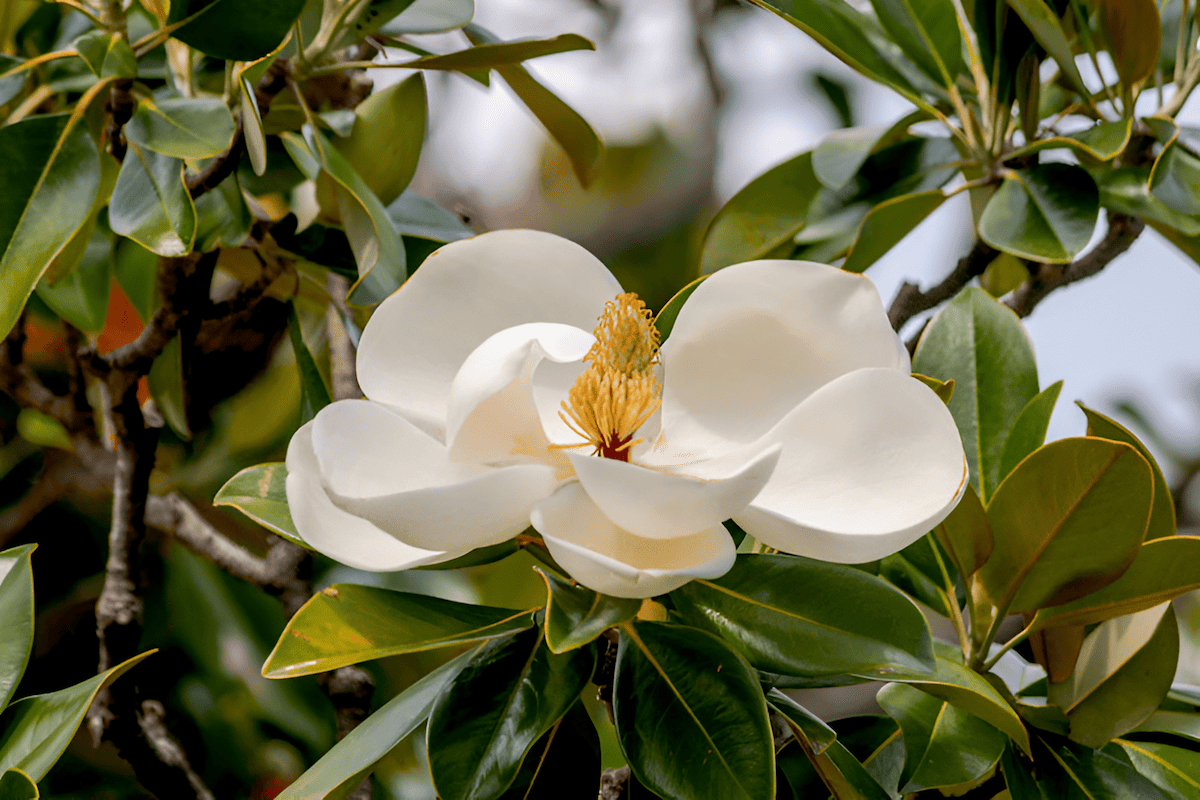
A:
(618, 391)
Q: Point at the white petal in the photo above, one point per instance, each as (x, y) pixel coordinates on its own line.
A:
(334, 532)
(378, 466)
(492, 416)
(418, 338)
(611, 561)
(755, 339)
(870, 463)
(665, 505)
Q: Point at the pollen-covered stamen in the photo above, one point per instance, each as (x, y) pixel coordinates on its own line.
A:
(618, 391)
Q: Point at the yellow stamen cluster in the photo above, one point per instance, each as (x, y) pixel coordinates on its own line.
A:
(618, 391)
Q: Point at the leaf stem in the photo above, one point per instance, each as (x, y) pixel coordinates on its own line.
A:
(1009, 645)
(946, 590)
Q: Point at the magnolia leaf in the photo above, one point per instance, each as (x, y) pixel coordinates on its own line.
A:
(252, 124)
(927, 31)
(841, 154)
(16, 785)
(1101, 142)
(1162, 517)
(1045, 213)
(234, 30)
(81, 297)
(413, 215)
(1174, 176)
(1174, 769)
(1046, 28)
(222, 217)
(575, 615)
(151, 203)
(1075, 771)
(492, 55)
(260, 493)
(314, 394)
(819, 735)
(1134, 33)
(966, 534)
(348, 624)
(1049, 515)
(166, 387)
(688, 682)
(181, 127)
(430, 16)
(1126, 190)
(887, 224)
(16, 617)
(565, 762)
(1028, 432)
(508, 694)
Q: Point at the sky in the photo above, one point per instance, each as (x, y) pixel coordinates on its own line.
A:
(1132, 331)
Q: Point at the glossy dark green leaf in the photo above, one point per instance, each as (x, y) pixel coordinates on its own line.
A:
(819, 735)
(222, 217)
(1164, 569)
(835, 770)
(314, 394)
(500, 54)
(1072, 772)
(1123, 673)
(50, 171)
(1162, 516)
(136, 271)
(166, 387)
(1045, 213)
(106, 54)
(927, 32)
(887, 223)
(565, 762)
(181, 127)
(260, 493)
(151, 203)
(575, 615)
(343, 767)
(16, 785)
(980, 344)
(1101, 142)
(1028, 432)
(1176, 172)
(16, 617)
(252, 124)
(1047, 29)
(1173, 769)
(81, 297)
(690, 716)
(945, 746)
(347, 624)
(1067, 521)
(414, 215)
(1126, 190)
(431, 16)
(507, 695)
(757, 608)
(966, 534)
(11, 86)
(916, 570)
(232, 29)
(34, 731)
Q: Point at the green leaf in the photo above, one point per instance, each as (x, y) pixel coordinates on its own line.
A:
(413, 215)
(232, 29)
(1123, 673)
(1126, 190)
(565, 762)
(1045, 213)
(509, 693)
(222, 216)
(92, 47)
(50, 173)
(765, 214)
(1101, 142)
(1133, 31)
(1028, 432)
(819, 735)
(966, 534)
(34, 731)
(314, 394)
(136, 271)
(1079, 773)
(43, 430)
(1176, 723)
(501, 54)
(11, 86)
(16, 617)
(981, 345)
(841, 154)
(151, 203)
(260, 493)
(887, 224)
(835, 770)
(1162, 516)
(945, 746)
(431, 16)
(915, 570)
(337, 773)
(927, 32)
(252, 124)
(1067, 521)
(572, 132)
(16, 785)
(690, 716)
(756, 608)
(347, 624)
(81, 297)
(1176, 171)
(1164, 569)
(575, 615)
(1173, 769)
(1044, 24)
(166, 387)
(181, 127)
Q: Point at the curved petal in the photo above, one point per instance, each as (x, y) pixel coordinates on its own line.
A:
(378, 466)
(870, 463)
(611, 561)
(334, 532)
(666, 505)
(492, 418)
(755, 339)
(415, 342)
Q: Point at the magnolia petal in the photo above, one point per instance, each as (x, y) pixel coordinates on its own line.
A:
(612, 561)
(870, 463)
(492, 417)
(334, 532)
(755, 339)
(378, 466)
(466, 291)
(666, 505)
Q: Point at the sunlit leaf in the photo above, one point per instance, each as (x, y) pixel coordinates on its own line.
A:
(1162, 517)
(16, 617)
(260, 493)
(966, 534)
(1174, 769)
(16, 785)
(1028, 432)
(575, 615)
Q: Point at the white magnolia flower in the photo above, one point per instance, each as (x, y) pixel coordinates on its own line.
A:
(782, 400)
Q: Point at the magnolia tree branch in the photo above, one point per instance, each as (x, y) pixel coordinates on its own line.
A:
(1123, 231)
(910, 300)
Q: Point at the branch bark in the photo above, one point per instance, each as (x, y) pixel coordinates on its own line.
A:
(910, 300)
